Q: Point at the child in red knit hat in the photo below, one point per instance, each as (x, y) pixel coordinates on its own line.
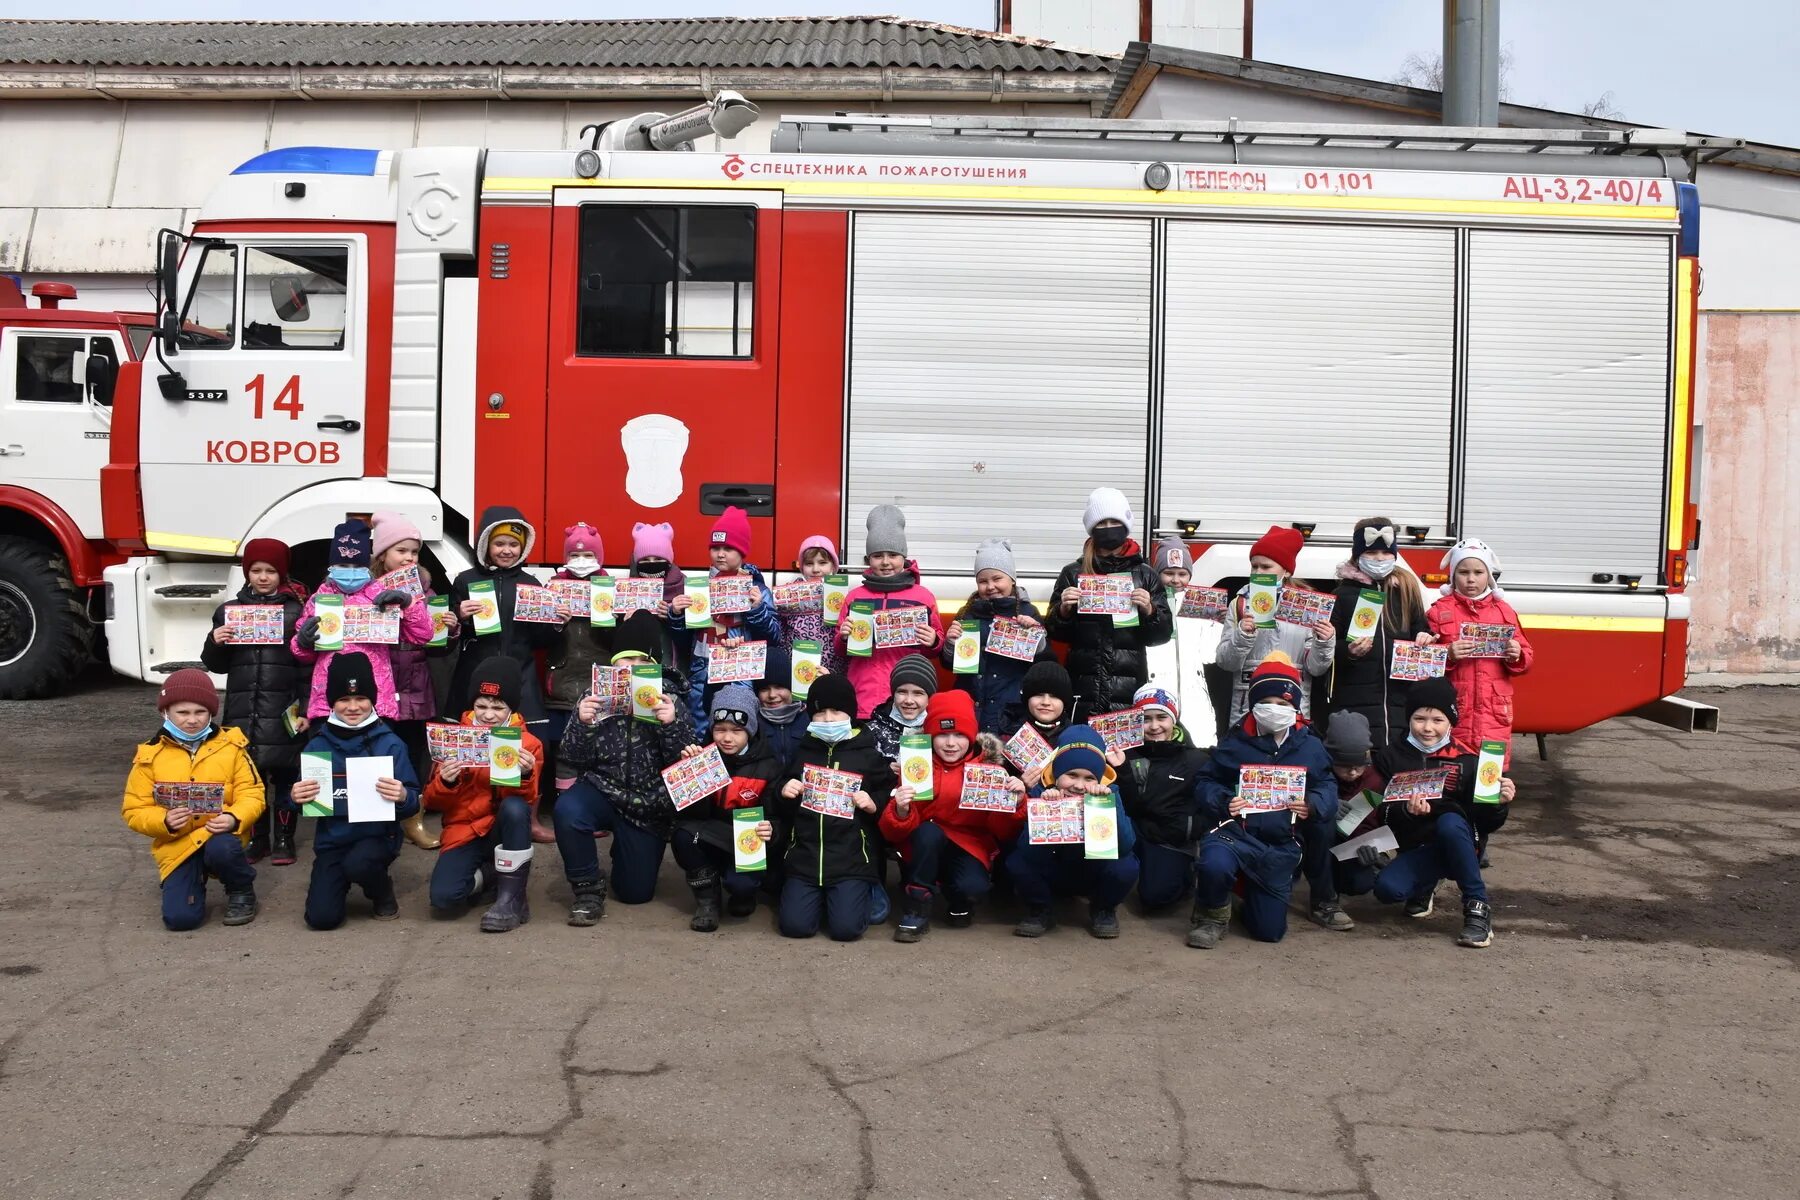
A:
(728, 546)
(1243, 646)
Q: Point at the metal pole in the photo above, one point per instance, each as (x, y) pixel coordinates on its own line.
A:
(1471, 62)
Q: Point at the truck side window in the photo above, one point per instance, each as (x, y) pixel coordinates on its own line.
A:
(295, 297)
(667, 280)
(209, 318)
(46, 371)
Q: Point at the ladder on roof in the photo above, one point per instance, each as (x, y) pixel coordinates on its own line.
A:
(1673, 142)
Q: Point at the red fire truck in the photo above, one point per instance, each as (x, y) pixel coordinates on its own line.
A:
(1478, 332)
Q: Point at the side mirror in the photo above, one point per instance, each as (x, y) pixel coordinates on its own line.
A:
(168, 280)
(102, 378)
(289, 299)
(167, 325)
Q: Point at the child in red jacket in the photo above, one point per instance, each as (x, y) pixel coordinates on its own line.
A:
(483, 818)
(944, 844)
(1484, 687)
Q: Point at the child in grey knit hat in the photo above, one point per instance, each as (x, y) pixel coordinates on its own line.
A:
(999, 706)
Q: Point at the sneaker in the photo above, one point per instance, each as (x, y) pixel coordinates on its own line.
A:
(1332, 916)
(912, 927)
(1419, 906)
(1207, 926)
(1478, 924)
(959, 918)
(1103, 922)
(240, 908)
(1034, 924)
(588, 908)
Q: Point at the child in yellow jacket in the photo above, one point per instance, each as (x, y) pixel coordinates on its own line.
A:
(177, 778)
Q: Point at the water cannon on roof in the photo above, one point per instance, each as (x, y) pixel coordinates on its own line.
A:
(726, 114)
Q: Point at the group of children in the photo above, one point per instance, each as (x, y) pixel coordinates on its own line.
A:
(847, 754)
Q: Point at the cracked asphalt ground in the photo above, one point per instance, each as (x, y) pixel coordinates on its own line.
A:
(1632, 1032)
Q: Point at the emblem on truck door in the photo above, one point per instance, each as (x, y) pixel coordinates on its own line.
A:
(654, 446)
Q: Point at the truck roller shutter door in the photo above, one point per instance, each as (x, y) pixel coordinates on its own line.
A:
(999, 371)
(1309, 374)
(1568, 384)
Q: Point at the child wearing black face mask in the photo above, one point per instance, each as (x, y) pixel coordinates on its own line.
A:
(1106, 659)
(1360, 680)
(999, 703)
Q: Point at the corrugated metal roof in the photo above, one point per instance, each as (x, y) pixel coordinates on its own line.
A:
(721, 42)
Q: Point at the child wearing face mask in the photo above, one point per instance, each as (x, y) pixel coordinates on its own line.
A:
(503, 545)
(396, 543)
(348, 575)
(653, 557)
(191, 846)
(891, 580)
(913, 682)
(818, 558)
(571, 661)
(1243, 646)
(261, 682)
(1108, 662)
(999, 703)
(1360, 680)
(1442, 838)
(1484, 686)
(1262, 847)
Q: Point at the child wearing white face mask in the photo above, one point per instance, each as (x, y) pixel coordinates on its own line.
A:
(1484, 686)
(1262, 846)
(571, 662)
(1361, 678)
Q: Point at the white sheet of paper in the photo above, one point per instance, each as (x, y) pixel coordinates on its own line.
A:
(1381, 837)
(363, 802)
(1351, 814)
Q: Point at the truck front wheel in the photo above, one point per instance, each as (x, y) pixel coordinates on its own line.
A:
(45, 635)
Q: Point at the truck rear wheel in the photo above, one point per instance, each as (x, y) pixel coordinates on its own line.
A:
(45, 635)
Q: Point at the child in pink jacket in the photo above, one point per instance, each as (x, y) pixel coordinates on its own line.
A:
(1484, 686)
(891, 581)
(395, 543)
(349, 576)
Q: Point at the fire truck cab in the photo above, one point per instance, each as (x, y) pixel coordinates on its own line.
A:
(1478, 332)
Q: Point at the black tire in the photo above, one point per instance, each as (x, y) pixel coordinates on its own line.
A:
(46, 638)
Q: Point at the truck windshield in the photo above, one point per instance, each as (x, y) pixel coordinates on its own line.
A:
(209, 318)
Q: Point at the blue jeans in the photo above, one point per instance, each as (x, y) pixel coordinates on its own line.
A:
(453, 875)
(221, 856)
(693, 854)
(363, 862)
(1268, 872)
(1450, 854)
(935, 861)
(1317, 837)
(843, 905)
(636, 853)
(1165, 873)
(1040, 873)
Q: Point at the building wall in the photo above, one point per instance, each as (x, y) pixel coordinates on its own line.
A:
(1216, 26)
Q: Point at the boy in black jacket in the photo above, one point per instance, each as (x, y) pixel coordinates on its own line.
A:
(503, 545)
(704, 831)
(832, 855)
(1442, 837)
(262, 680)
(1157, 784)
(621, 761)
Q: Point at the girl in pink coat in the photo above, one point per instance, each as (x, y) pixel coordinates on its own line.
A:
(348, 575)
(1484, 686)
(891, 581)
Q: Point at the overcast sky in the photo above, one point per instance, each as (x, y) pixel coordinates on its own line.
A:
(1723, 67)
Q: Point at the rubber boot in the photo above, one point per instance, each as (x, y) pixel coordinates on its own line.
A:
(915, 914)
(282, 854)
(589, 904)
(540, 833)
(416, 833)
(511, 908)
(258, 848)
(707, 895)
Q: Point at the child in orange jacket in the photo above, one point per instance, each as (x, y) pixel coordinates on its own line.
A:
(483, 818)
(943, 844)
(190, 840)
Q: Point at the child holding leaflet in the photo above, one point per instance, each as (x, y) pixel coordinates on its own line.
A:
(1249, 837)
(262, 681)
(817, 559)
(1049, 696)
(487, 825)
(729, 549)
(1484, 686)
(947, 848)
(781, 717)
(571, 661)
(914, 681)
(1157, 785)
(349, 578)
(705, 831)
(348, 851)
(891, 581)
(831, 861)
(1077, 768)
(395, 543)
(1107, 659)
(1243, 645)
(1361, 681)
(484, 597)
(190, 841)
(998, 678)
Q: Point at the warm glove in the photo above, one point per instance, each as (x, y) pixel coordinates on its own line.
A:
(393, 598)
(307, 633)
(1372, 858)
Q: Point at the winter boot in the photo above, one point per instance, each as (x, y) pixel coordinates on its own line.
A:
(1103, 922)
(590, 902)
(240, 907)
(512, 908)
(416, 833)
(1035, 923)
(707, 889)
(387, 904)
(961, 913)
(740, 905)
(915, 914)
(258, 849)
(282, 853)
(1477, 930)
(540, 832)
(879, 907)
(1207, 926)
